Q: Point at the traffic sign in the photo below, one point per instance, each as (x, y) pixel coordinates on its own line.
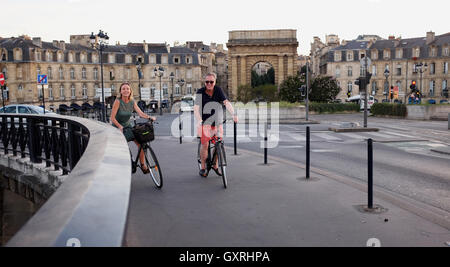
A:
(42, 79)
(2, 79)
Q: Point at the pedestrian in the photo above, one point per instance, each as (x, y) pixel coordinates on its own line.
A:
(122, 110)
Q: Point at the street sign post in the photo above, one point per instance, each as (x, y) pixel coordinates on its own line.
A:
(42, 80)
(2, 83)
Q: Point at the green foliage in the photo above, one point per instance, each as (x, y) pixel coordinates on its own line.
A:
(267, 92)
(268, 78)
(324, 89)
(388, 109)
(321, 107)
(289, 89)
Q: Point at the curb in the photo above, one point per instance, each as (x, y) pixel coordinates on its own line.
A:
(445, 151)
(347, 130)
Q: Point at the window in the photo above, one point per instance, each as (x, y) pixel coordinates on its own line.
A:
(20, 87)
(85, 91)
(432, 88)
(49, 73)
(338, 72)
(61, 73)
(176, 60)
(83, 58)
(375, 54)
(349, 55)
(61, 92)
(50, 91)
(444, 84)
(433, 51)
(374, 70)
(386, 67)
(398, 70)
(399, 85)
(83, 73)
(19, 73)
(165, 91)
(40, 92)
(387, 54)
(70, 57)
(152, 90)
(433, 68)
(72, 74)
(5, 72)
(73, 91)
(111, 75)
(38, 70)
(349, 86)
(113, 89)
(177, 89)
(445, 68)
(189, 89)
(164, 59)
(128, 59)
(38, 55)
(446, 51)
(60, 56)
(188, 60)
(337, 56)
(349, 71)
(95, 74)
(49, 56)
(152, 59)
(399, 53)
(416, 52)
(94, 58)
(374, 88)
(111, 58)
(177, 73)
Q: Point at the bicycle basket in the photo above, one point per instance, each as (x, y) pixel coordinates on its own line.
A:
(144, 133)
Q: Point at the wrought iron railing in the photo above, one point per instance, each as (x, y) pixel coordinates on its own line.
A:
(56, 141)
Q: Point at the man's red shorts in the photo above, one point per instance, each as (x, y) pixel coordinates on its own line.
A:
(206, 132)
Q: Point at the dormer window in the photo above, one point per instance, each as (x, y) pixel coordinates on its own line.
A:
(176, 60)
(399, 53)
(349, 55)
(387, 54)
(375, 54)
(70, 57)
(337, 56)
(111, 58)
(416, 52)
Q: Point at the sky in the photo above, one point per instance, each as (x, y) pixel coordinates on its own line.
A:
(210, 21)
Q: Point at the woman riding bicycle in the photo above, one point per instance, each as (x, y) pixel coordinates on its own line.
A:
(121, 113)
(205, 115)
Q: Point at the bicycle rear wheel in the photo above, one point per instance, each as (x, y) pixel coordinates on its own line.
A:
(153, 165)
(220, 152)
(199, 161)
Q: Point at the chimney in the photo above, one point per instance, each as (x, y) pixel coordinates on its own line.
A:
(391, 37)
(62, 45)
(55, 43)
(145, 47)
(397, 42)
(37, 41)
(430, 37)
(168, 48)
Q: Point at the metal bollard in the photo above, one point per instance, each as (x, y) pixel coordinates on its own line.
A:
(235, 138)
(370, 174)
(308, 161)
(180, 126)
(265, 144)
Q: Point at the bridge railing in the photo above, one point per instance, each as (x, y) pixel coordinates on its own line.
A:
(91, 205)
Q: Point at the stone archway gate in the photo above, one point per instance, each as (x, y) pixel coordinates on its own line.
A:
(246, 48)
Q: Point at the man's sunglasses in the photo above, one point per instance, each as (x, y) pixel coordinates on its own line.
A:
(210, 82)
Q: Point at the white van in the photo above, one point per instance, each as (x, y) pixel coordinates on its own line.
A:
(360, 101)
(187, 103)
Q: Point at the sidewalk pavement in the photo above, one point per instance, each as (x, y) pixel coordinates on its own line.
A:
(264, 206)
(442, 150)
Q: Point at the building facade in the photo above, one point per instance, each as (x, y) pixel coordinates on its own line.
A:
(74, 72)
(395, 65)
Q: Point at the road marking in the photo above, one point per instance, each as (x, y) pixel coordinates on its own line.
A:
(296, 136)
(327, 137)
(436, 145)
(353, 136)
(398, 134)
(380, 135)
(323, 150)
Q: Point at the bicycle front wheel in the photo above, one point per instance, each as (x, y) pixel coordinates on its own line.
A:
(153, 165)
(220, 152)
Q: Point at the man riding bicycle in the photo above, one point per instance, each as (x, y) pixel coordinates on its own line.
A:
(208, 105)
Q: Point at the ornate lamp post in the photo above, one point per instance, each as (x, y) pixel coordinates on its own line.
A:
(181, 82)
(386, 84)
(159, 72)
(139, 71)
(172, 77)
(99, 42)
(421, 68)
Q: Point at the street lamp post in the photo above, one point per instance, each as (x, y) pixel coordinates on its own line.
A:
(139, 71)
(386, 84)
(159, 72)
(421, 68)
(181, 82)
(99, 42)
(172, 77)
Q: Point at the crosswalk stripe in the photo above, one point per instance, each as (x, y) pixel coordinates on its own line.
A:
(380, 135)
(296, 136)
(327, 137)
(353, 136)
(398, 134)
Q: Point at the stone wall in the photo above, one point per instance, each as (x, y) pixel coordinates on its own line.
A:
(428, 112)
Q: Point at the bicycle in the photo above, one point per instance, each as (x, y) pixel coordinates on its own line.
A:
(216, 152)
(150, 158)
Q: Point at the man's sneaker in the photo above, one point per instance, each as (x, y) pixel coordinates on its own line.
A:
(216, 171)
(203, 173)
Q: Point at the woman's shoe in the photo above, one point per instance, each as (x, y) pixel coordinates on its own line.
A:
(203, 173)
(216, 170)
(145, 170)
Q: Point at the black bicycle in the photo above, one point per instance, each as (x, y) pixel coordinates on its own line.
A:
(144, 134)
(216, 153)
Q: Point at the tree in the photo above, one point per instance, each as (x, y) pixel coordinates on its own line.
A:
(245, 93)
(324, 89)
(289, 89)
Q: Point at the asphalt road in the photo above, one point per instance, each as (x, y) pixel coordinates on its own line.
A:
(404, 167)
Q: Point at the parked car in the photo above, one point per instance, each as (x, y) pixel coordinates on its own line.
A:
(360, 101)
(187, 104)
(443, 101)
(24, 109)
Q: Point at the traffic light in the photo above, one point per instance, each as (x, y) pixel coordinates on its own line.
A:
(413, 86)
(391, 93)
(349, 94)
(358, 82)
(368, 77)
(302, 90)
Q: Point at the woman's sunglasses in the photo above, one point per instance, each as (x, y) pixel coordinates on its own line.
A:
(210, 82)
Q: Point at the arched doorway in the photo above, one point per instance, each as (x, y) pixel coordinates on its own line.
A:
(262, 73)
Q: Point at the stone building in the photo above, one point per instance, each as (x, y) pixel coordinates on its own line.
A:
(394, 65)
(74, 71)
